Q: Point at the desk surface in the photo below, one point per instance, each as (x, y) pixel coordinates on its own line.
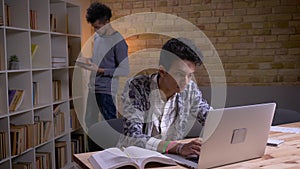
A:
(285, 156)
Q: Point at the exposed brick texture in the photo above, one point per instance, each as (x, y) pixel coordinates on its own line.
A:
(257, 41)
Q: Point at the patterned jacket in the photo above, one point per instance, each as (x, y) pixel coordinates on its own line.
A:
(138, 99)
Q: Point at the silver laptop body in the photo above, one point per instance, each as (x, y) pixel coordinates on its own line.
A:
(232, 135)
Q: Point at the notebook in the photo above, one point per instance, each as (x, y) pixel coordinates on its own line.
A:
(232, 135)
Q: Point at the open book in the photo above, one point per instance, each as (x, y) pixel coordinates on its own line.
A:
(130, 156)
(83, 62)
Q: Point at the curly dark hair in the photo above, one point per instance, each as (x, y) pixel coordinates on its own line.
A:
(183, 49)
(98, 11)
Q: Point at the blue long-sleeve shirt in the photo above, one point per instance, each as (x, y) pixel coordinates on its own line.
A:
(111, 54)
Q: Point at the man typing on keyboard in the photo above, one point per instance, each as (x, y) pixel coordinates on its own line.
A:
(158, 107)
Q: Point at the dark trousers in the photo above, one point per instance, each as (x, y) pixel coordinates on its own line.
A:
(105, 103)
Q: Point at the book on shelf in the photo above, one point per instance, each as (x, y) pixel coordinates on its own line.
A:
(22, 165)
(56, 109)
(1, 21)
(3, 145)
(33, 19)
(47, 130)
(7, 14)
(1, 61)
(43, 160)
(52, 23)
(130, 156)
(15, 98)
(56, 88)
(35, 92)
(34, 48)
(74, 122)
(67, 23)
(59, 123)
(60, 154)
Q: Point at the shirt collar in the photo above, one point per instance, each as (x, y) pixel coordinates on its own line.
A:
(154, 86)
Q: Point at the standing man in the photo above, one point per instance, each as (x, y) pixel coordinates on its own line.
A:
(109, 61)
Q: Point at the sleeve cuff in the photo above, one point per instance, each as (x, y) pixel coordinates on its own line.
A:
(152, 144)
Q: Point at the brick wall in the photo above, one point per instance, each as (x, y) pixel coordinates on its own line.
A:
(258, 41)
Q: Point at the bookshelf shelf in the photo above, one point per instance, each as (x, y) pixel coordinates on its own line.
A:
(44, 144)
(40, 83)
(40, 50)
(5, 164)
(17, 13)
(15, 29)
(21, 51)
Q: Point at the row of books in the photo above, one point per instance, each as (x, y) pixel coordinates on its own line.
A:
(22, 165)
(77, 143)
(21, 138)
(3, 145)
(15, 98)
(60, 154)
(74, 122)
(42, 130)
(59, 121)
(43, 160)
(56, 88)
(33, 19)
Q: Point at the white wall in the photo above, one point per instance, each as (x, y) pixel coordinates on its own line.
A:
(85, 27)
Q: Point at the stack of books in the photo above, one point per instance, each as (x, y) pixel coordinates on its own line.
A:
(58, 62)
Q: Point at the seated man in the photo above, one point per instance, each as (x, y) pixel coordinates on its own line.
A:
(158, 107)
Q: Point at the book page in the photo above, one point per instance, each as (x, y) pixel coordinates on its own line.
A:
(110, 158)
(143, 156)
(137, 152)
(84, 62)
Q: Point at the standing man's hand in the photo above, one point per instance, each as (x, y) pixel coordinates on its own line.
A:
(93, 67)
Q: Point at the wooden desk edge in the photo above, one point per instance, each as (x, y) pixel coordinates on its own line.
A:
(82, 160)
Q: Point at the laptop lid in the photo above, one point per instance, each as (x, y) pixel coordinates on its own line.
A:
(235, 134)
(232, 135)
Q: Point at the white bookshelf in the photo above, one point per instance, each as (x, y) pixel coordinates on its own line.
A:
(16, 37)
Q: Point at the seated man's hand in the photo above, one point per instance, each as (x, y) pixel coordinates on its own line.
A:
(191, 148)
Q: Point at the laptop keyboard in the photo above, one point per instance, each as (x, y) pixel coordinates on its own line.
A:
(193, 159)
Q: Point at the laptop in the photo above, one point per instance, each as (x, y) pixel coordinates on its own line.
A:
(233, 135)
